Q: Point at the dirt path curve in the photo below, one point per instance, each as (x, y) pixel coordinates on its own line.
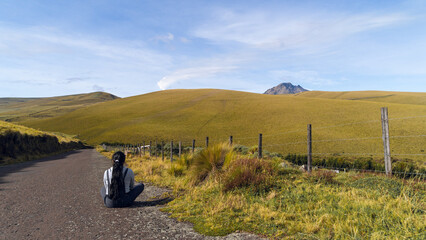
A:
(58, 198)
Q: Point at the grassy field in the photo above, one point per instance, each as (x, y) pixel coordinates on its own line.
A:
(340, 127)
(418, 98)
(19, 143)
(27, 109)
(222, 191)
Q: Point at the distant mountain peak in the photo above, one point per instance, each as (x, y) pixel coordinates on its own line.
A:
(285, 88)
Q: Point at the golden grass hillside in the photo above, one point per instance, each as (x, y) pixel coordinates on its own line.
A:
(340, 127)
(24, 109)
(418, 98)
(19, 143)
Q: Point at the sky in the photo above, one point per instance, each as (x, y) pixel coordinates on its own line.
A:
(127, 48)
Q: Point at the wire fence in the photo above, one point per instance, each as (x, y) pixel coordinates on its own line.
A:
(188, 143)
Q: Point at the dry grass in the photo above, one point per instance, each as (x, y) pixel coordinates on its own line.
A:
(21, 109)
(321, 205)
(183, 115)
(19, 143)
(417, 98)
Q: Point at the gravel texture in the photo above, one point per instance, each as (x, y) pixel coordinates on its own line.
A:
(59, 198)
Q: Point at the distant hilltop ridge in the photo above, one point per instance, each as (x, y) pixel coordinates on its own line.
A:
(285, 88)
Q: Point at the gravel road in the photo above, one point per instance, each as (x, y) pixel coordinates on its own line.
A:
(58, 198)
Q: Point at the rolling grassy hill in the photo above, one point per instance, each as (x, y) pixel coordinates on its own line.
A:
(24, 109)
(418, 98)
(19, 143)
(182, 115)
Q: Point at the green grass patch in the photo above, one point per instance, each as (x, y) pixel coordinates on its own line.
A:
(269, 197)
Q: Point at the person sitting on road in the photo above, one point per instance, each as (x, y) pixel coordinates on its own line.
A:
(119, 189)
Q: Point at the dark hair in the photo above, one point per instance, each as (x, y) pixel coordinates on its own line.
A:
(116, 188)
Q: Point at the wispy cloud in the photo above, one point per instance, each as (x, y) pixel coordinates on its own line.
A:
(49, 56)
(203, 70)
(286, 31)
(191, 73)
(164, 38)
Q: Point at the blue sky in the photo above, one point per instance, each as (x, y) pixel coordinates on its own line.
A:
(51, 48)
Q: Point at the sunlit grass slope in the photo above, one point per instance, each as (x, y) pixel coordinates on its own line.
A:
(22, 109)
(418, 98)
(182, 115)
(19, 143)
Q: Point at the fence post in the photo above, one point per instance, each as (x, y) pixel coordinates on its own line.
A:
(309, 165)
(180, 148)
(260, 146)
(193, 146)
(385, 137)
(207, 142)
(156, 152)
(171, 151)
(144, 148)
(162, 150)
(150, 148)
(230, 140)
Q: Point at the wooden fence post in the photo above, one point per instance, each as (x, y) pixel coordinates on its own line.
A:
(385, 137)
(144, 148)
(230, 140)
(162, 150)
(207, 142)
(150, 148)
(155, 153)
(309, 164)
(180, 148)
(193, 146)
(171, 151)
(260, 147)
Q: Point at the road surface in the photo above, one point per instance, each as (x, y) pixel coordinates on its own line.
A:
(58, 198)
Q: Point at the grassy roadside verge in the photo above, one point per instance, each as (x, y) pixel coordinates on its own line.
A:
(221, 191)
(20, 144)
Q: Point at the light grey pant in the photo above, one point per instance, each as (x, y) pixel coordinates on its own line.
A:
(126, 201)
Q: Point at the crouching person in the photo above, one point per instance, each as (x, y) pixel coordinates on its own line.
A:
(119, 188)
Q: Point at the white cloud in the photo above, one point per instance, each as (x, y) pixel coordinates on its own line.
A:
(286, 31)
(184, 40)
(39, 55)
(164, 38)
(191, 73)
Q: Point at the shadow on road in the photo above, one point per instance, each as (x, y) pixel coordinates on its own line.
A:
(20, 167)
(161, 201)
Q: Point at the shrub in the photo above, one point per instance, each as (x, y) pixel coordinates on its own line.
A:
(240, 149)
(323, 176)
(176, 170)
(210, 160)
(249, 172)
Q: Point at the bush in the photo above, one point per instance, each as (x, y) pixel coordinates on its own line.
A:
(252, 173)
(176, 170)
(323, 176)
(241, 149)
(210, 160)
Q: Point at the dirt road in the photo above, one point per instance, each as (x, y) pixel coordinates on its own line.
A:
(58, 198)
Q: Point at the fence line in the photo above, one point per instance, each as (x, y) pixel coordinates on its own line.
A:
(233, 138)
(370, 170)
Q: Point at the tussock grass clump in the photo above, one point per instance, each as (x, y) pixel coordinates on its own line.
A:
(290, 204)
(323, 176)
(249, 172)
(210, 161)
